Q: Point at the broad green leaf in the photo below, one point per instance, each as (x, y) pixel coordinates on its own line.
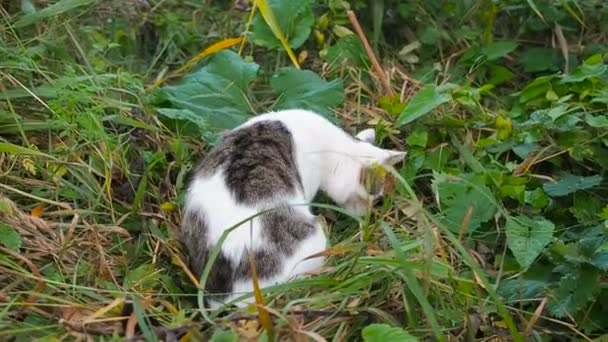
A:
(570, 184)
(535, 89)
(386, 333)
(53, 10)
(584, 72)
(516, 192)
(214, 97)
(599, 121)
(428, 98)
(295, 19)
(499, 74)
(10, 238)
(306, 90)
(540, 59)
(418, 137)
(536, 198)
(496, 50)
(522, 289)
(573, 293)
(348, 49)
(528, 237)
(457, 197)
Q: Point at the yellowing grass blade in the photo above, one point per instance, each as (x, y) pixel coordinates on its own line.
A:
(210, 50)
(263, 314)
(276, 29)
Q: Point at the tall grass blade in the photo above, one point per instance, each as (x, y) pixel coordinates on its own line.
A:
(142, 320)
(412, 283)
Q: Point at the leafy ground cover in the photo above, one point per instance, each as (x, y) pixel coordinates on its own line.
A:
(496, 229)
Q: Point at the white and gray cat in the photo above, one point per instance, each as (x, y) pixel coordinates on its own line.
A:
(278, 160)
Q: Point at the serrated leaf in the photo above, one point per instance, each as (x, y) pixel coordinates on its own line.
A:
(428, 98)
(457, 197)
(530, 285)
(573, 293)
(306, 90)
(294, 19)
(213, 97)
(496, 50)
(385, 333)
(570, 184)
(528, 237)
(10, 238)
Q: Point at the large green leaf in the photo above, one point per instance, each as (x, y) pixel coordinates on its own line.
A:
(295, 19)
(570, 184)
(498, 50)
(306, 90)
(428, 98)
(385, 333)
(528, 237)
(10, 238)
(214, 97)
(574, 292)
(457, 197)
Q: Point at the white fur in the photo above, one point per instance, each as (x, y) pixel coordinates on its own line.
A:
(327, 158)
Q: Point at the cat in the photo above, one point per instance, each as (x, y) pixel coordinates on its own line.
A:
(274, 163)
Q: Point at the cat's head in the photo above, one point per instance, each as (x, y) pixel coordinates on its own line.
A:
(365, 178)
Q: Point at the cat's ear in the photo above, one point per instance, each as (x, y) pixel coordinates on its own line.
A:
(394, 157)
(367, 135)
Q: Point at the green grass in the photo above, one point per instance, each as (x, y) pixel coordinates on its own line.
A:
(496, 228)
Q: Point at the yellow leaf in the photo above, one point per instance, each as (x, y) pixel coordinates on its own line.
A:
(210, 50)
(501, 324)
(320, 37)
(29, 166)
(276, 29)
(302, 56)
(37, 211)
(186, 338)
(342, 31)
(167, 206)
(503, 127)
(323, 21)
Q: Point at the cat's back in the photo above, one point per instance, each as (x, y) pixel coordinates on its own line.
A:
(255, 162)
